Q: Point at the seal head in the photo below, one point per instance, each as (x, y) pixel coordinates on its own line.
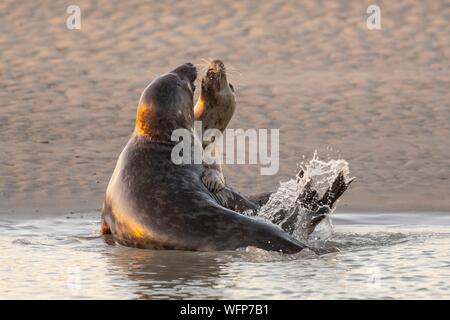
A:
(166, 104)
(216, 103)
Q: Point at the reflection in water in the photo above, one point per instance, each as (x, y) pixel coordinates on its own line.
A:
(195, 275)
(64, 258)
(169, 274)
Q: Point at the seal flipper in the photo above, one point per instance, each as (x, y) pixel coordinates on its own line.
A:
(212, 178)
(261, 198)
(233, 200)
(317, 208)
(335, 191)
(105, 229)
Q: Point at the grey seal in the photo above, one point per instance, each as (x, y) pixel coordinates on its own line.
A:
(153, 203)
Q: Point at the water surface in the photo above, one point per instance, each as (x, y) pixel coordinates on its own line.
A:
(394, 256)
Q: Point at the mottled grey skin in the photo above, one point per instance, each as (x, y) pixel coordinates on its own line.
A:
(153, 203)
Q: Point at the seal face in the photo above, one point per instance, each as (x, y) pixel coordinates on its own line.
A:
(216, 104)
(160, 111)
(153, 203)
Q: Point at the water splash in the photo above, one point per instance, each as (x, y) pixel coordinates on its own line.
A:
(286, 209)
(323, 173)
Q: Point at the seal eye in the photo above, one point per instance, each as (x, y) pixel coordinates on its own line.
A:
(231, 87)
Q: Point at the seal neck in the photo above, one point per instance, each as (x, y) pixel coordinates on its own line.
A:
(143, 118)
(200, 108)
(159, 127)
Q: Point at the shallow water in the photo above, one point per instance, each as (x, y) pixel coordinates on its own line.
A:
(381, 256)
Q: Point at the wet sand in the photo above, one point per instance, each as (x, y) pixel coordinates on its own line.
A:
(379, 99)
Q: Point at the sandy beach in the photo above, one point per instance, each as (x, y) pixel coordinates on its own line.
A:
(379, 99)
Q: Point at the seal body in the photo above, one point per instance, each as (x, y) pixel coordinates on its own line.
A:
(151, 202)
(215, 108)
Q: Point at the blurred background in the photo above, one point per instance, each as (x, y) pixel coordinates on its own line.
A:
(379, 99)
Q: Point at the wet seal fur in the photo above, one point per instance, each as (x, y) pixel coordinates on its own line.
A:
(153, 203)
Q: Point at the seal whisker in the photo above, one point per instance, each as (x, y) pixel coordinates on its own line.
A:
(204, 63)
(233, 70)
